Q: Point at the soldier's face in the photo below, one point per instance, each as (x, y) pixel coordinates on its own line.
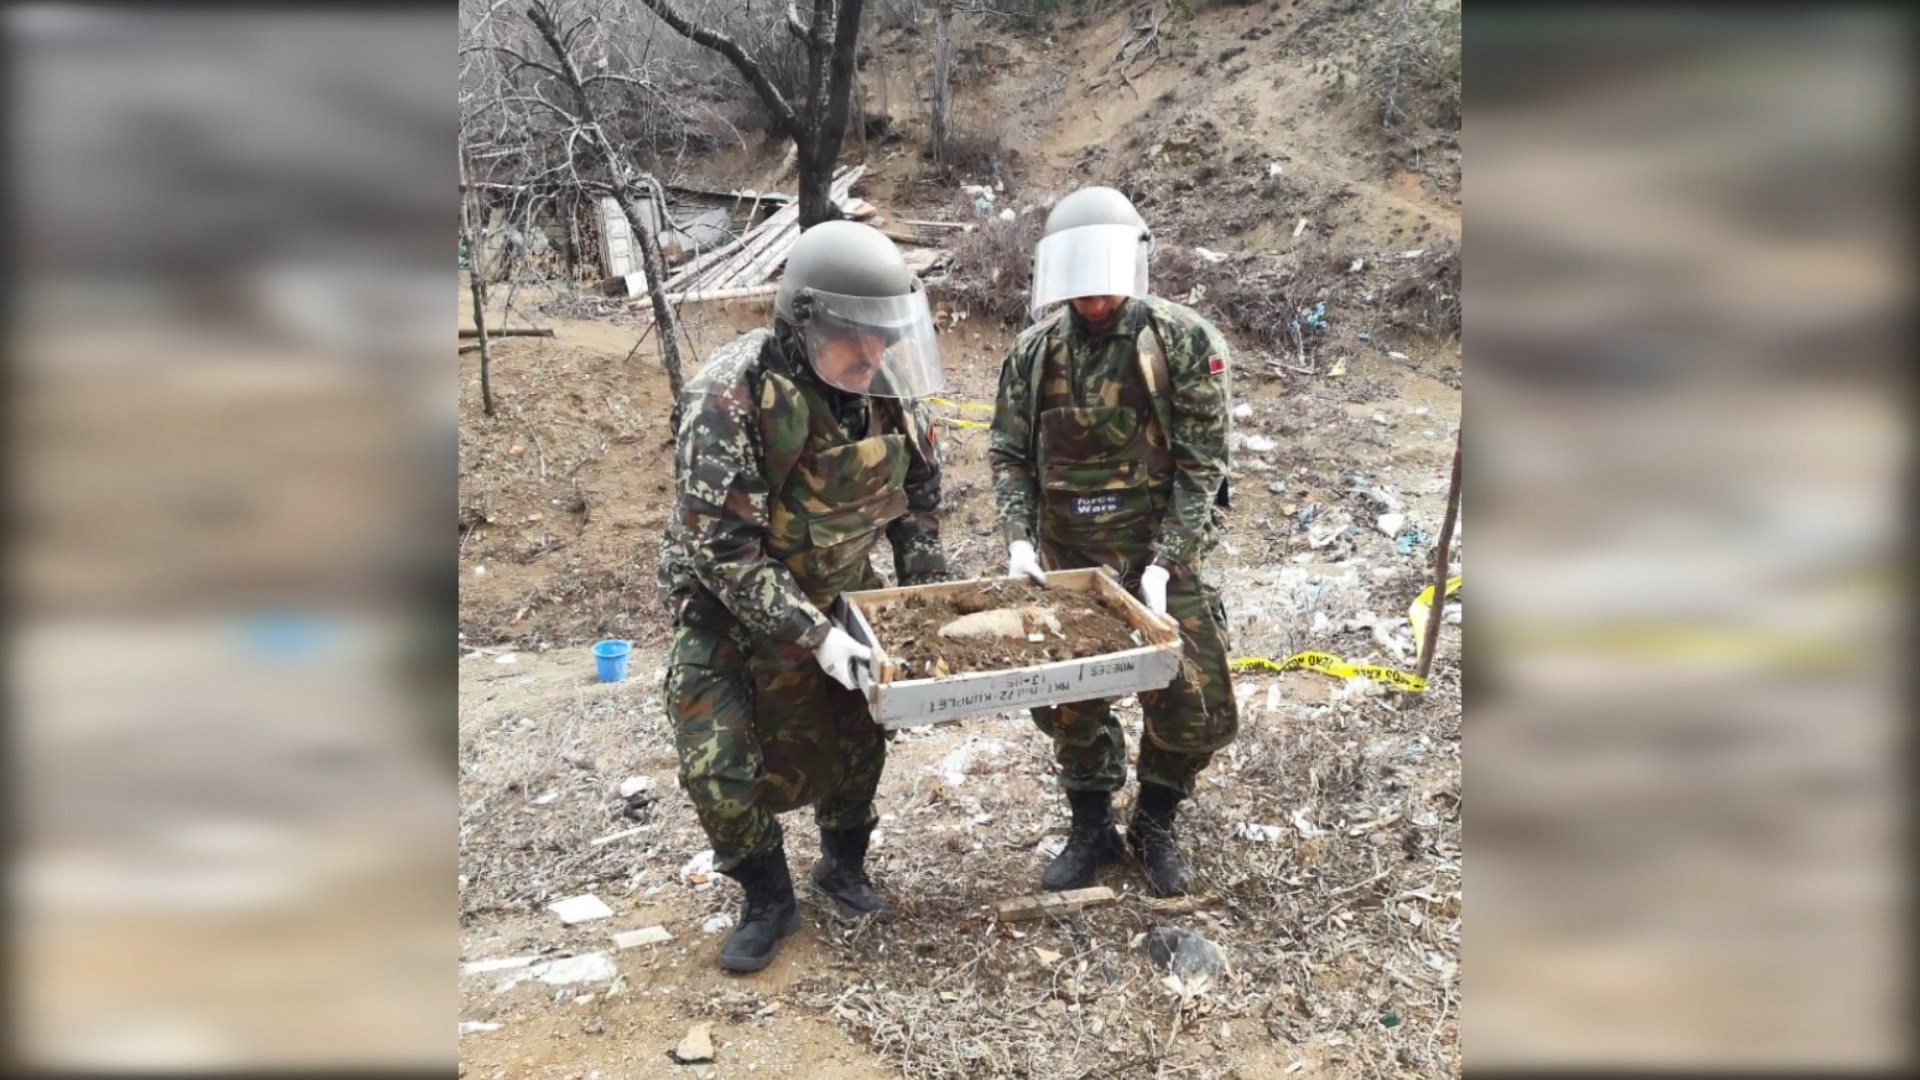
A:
(849, 361)
(1097, 310)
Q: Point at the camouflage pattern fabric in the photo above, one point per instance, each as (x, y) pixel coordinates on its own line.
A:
(1100, 466)
(785, 486)
(762, 730)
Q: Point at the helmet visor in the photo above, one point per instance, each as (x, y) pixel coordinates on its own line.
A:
(1092, 260)
(877, 345)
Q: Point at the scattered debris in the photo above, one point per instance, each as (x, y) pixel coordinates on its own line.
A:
(468, 1027)
(1307, 828)
(1242, 411)
(698, 869)
(652, 935)
(1390, 524)
(634, 785)
(587, 967)
(717, 923)
(1047, 956)
(1300, 228)
(503, 658)
(578, 909)
(1260, 444)
(697, 1046)
(1259, 834)
(1210, 255)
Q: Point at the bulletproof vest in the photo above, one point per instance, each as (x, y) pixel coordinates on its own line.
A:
(1104, 455)
(830, 496)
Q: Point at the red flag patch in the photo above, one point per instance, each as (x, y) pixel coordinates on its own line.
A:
(1216, 364)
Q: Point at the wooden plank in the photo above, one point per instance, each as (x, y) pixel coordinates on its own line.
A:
(1041, 905)
(720, 268)
(908, 238)
(518, 332)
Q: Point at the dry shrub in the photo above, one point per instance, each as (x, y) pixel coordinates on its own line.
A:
(1427, 300)
(975, 152)
(1258, 296)
(991, 274)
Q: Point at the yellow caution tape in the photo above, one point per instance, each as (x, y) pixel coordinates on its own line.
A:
(963, 406)
(954, 421)
(1417, 613)
(1329, 664)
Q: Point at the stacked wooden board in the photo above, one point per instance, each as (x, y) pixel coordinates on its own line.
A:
(746, 266)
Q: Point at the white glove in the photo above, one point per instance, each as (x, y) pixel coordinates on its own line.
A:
(1153, 589)
(1022, 560)
(837, 654)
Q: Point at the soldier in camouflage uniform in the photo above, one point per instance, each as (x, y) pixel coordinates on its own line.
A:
(798, 450)
(1109, 448)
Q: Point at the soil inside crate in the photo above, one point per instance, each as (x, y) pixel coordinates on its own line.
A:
(909, 630)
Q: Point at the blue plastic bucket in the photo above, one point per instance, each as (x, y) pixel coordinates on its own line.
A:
(611, 658)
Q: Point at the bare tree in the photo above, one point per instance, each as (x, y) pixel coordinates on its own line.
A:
(819, 124)
(476, 283)
(556, 162)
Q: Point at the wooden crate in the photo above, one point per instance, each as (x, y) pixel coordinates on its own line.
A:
(915, 702)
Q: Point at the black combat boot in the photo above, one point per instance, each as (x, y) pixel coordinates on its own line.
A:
(1093, 842)
(768, 913)
(841, 872)
(1150, 835)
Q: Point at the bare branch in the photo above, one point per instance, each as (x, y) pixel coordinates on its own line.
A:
(798, 28)
(749, 68)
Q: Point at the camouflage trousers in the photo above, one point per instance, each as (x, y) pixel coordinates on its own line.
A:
(1186, 723)
(761, 731)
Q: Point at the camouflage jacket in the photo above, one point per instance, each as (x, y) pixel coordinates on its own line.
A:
(1195, 408)
(716, 541)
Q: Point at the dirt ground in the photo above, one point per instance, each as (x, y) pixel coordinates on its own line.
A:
(909, 629)
(1326, 838)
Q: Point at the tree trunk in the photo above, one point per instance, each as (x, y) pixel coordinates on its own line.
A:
(573, 242)
(477, 284)
(942, 82)
(816, 177)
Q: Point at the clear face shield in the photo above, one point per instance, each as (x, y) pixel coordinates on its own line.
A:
(1092, 260)
(881, 346)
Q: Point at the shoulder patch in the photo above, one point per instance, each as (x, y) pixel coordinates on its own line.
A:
(1216, 364)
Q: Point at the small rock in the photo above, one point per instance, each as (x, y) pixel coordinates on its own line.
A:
(717, 923)
(578, 909)
(697, 1046)
(652, 935)
(1273, 168)
(506, 658)
(1242, 411)
(1184, 953)
(1260, 444)
(1357, 266)
(1277, 488)
(1397, 355)
(468, 1027)
(1047, 956)
(634, 785)
(1380, 418)
(593, 1027)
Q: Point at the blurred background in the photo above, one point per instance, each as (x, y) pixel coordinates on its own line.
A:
(229, 450)
(230, 461)
(1687, 290)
